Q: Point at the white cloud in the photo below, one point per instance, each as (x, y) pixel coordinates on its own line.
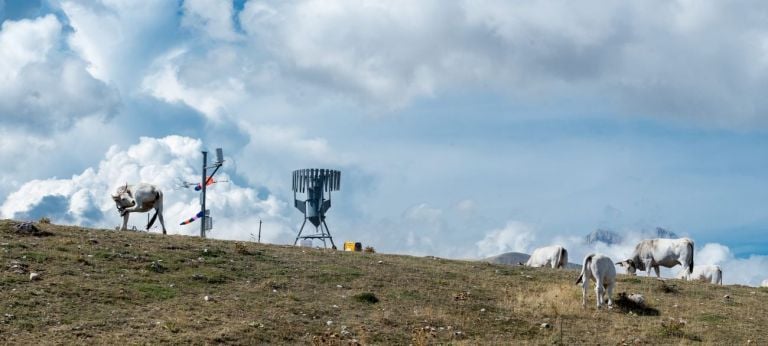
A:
(210, 95)
(119, 37)
(664, 59)
(26, 42)
(41, 88)
(514, 237)
(212, 17)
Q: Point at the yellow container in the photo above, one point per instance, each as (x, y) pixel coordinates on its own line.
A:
(353, 246)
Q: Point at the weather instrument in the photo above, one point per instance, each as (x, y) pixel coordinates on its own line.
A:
(314, 184)
(207, 223)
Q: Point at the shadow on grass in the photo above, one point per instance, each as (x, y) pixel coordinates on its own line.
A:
(626, 305)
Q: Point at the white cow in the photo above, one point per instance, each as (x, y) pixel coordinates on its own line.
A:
(139, 199)
(555, 256)
(707, 273)
(600, 268)
(652, 253)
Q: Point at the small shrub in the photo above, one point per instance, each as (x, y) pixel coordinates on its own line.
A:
(369, 249)
(36, 257)
(674, 327)
(423, 335)
(44, 220)
(663, 287)
(367, 297)
(157, 267)
(241, 249)
(206, 252)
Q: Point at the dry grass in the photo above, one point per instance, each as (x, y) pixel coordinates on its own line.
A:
(102, 286)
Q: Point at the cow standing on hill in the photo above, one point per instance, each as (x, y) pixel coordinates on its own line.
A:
(139, 199)
(555, 256)
(652, 253)
(600, 268)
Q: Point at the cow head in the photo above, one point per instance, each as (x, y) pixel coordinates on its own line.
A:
(629, 265)
(123, 198)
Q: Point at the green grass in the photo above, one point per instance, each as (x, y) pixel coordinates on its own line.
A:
(154, 291)
(99, 286)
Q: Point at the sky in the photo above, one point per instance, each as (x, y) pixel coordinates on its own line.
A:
(463, 129)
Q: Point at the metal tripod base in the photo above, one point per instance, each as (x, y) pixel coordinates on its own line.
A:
(323, 234)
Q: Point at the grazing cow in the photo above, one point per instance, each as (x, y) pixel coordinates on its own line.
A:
(600, 268)
(555, 256)
(139, 198)
(707, 273)
(652, 253)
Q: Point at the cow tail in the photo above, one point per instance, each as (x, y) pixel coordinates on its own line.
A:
(719, 276)
(587, 261)
(152, 220)
(563, 257)
(689, 260)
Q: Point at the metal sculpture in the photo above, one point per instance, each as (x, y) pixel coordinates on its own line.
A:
(315, 183)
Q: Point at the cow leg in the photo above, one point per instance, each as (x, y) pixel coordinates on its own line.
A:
(656, 269)
(648, 267)
(584, 288)
(162, 223)
(599, 291)
(610, 294)
(125, 222)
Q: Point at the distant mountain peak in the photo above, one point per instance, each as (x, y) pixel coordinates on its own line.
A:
(609, 237)
(663, 233)
(603, 236)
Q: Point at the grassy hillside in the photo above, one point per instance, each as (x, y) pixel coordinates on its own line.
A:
(104, 286)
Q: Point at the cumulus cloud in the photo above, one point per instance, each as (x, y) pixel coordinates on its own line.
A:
(41, 88)
(175, 79)
(514, 237)
(666, 59)
(160, 161)
(212, 17)
(120, 38)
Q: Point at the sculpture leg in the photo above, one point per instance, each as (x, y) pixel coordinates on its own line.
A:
(333, 246)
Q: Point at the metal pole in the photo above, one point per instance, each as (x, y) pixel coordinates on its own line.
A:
(202, 203)
(259, 231)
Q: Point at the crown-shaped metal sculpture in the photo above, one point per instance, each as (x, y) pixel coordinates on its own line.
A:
(315, 183)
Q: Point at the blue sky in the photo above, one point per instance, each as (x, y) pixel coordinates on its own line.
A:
(462, 129)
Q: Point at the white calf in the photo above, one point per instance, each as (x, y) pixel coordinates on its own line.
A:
(600, 268)
(707, 273)
(139, 199)
(555, 256)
